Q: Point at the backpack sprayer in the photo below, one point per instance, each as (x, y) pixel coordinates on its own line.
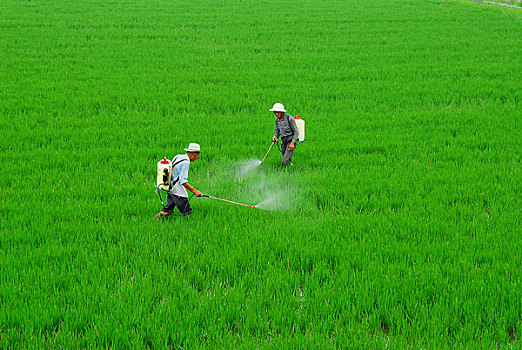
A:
(300, 127)
(164, 176)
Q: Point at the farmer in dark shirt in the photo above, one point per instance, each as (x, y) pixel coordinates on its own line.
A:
(285, 128)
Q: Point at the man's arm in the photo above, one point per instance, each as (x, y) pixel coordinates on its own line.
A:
(276, 131)
(192, 189)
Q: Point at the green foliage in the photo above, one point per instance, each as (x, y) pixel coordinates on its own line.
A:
(402, 224)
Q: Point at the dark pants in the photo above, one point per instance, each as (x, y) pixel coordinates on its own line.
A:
(287, 155)
(182, 203)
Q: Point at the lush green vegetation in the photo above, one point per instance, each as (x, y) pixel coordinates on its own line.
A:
(517, 3)
(404, 205)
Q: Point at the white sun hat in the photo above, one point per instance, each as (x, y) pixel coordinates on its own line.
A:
(278, 107)
(193, 148)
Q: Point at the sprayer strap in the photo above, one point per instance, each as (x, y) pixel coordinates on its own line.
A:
(179, 161)
(173, 183)
(290, 124)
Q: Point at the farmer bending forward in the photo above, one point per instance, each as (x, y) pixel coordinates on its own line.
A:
(286, 128)
(177, 195)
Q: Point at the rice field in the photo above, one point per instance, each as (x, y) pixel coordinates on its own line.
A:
(399, 225)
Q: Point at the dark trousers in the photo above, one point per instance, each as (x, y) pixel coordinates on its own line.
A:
(182, 203)
(287, 155)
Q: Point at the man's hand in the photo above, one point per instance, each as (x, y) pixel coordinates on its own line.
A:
(274, 139)
(291, 146)
(192, 189)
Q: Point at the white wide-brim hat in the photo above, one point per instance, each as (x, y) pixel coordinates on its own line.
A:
(278, 107)
(193, 147)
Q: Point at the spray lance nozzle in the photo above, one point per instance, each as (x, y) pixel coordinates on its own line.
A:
(229, 201)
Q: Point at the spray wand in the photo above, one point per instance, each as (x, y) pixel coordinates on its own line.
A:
(267, 152)
(226, 200)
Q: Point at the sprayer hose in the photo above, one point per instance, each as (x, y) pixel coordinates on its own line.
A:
(161, 200)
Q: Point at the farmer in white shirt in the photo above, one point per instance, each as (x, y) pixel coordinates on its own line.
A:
(177, 195)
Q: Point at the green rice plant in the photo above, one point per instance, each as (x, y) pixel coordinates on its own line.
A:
(398, 226)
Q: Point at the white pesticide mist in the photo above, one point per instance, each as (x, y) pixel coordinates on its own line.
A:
(271, 202)
(246, 167)
(274, 196)
(271, 191)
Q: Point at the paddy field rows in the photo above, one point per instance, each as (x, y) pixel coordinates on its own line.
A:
(401, 217)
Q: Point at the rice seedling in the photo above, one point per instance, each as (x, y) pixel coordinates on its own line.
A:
(399, 224)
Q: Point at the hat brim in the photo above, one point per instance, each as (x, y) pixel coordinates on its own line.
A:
(192, 150)
(277, 110)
